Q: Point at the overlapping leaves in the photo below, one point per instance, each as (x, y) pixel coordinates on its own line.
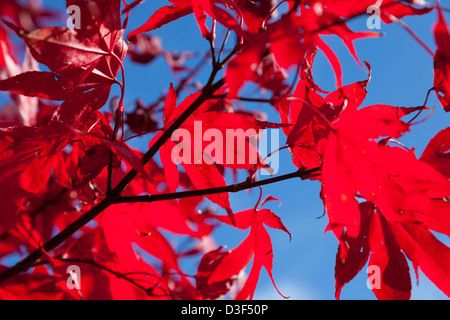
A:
(383, 203)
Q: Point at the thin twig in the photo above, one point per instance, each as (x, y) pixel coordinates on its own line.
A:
(119, 275)
(223, 45)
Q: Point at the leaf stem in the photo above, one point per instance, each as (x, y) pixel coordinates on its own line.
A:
(225, 40)
(118, 121)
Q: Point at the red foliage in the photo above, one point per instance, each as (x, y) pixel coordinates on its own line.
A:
(74, 193)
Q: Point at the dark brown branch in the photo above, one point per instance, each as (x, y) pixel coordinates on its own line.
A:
(301, 173)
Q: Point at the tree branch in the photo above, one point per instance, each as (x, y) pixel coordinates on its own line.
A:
(301, 173)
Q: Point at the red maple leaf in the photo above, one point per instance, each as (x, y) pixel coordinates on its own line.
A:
(408, 194)
(83, 63)
(257, 245)
(442, 61)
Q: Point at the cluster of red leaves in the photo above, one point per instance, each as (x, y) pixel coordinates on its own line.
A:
(381, 201)
(59, 161)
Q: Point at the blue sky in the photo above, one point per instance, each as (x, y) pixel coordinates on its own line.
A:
(402, 75)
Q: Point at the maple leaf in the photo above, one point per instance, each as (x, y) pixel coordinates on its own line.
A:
(279, 39)
(346, 154)
(38, 152)
(35, 286)
(27, 149)
(308, 113)
(209, 262)
(257, 244)
(199, 8)
(202, 176)
(83, 63)
(164, 15)
(254, 65)
(388, 273)
(341, 29)
(429, 254)
(442, 61)
(107, 261)
(386, 255)
(436, 153)
(200, 161)
(144, 49)
(345, 8)
(387, 244)
(404, 194)
(353, 252)
(154, 242)
(289, 47)
(255, 14)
